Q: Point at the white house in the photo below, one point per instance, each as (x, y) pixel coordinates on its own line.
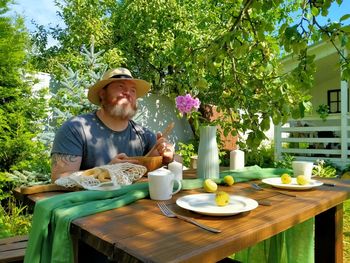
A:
(311, 138)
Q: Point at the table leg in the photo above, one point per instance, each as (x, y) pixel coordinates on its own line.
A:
(329, 235)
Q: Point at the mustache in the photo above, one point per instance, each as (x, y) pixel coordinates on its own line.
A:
(122, 111)
(114, 101)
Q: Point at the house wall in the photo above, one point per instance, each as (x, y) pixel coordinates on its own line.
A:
(324, 139)
(319, 92)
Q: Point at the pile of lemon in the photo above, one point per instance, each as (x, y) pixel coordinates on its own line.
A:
(221, 197)
(287, 179)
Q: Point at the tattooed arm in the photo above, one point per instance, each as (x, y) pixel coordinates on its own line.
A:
(63, 164)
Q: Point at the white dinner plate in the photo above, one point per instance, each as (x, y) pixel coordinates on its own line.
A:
(276, 182)
(205, 204)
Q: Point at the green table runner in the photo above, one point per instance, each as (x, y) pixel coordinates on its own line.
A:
(50, 241)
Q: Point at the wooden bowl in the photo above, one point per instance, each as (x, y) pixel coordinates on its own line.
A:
(150, 162)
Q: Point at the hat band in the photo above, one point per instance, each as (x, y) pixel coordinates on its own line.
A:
(121, 76)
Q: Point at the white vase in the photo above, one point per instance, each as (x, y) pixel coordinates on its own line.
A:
(208, 153)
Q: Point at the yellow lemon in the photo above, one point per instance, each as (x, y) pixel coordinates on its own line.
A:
(286, 179)
(301, 180)
(210, 186)
(345, 175)
(228, 179)
(222, 198)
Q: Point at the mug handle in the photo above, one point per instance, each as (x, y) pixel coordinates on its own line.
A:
(179, 186)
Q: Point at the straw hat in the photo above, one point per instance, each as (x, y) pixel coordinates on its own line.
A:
(117, 74)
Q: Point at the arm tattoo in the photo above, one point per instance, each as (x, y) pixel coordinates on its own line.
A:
(64, 159)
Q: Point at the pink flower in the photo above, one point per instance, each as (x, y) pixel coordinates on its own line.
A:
(186, 104)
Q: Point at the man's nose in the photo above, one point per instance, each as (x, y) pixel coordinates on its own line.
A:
(126, 92)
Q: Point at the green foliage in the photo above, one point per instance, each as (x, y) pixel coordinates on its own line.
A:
(20, 122)
(6, 185)
(27, 178)
(323, 111)
(286, 162)
(324, 169)
(226, 54)
(69, 99)
(186, 151)
(263, 156)
(14, 220)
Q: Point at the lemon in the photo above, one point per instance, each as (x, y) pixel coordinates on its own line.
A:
(301, 180)
(210, 186)
(345, 175)
(222, 198)
(228, 179)
(286, 179)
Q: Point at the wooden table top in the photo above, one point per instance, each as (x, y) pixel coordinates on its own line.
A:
(140, 231)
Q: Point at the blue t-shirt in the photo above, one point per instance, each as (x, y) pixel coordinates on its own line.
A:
(86, 136)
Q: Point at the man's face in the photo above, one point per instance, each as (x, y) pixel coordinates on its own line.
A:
(119, 99)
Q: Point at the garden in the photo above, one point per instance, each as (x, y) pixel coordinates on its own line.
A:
(226, 55)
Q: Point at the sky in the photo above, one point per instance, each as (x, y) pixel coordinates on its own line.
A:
(44, 12)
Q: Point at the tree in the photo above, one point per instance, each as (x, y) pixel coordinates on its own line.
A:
(227, 53)
(19, 120)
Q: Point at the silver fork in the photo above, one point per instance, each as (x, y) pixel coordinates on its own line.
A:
(169, 213)
(258, 187)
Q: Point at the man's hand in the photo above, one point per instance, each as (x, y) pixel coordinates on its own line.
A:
(163, 148)
(123, 158)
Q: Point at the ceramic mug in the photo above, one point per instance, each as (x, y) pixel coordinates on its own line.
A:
(303, 168)
(161, 184)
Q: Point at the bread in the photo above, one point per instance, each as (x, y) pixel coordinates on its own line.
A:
(101, 174)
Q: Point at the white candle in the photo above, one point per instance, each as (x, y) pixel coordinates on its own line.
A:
(176, 168)
(236, 159)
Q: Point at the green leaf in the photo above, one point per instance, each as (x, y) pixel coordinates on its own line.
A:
(276, 118)
(344, 17)
(315, 11)
(265, 124)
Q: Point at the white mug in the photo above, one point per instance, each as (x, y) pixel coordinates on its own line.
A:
(161, 183)
(303, 168)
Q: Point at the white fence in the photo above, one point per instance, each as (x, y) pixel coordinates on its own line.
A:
(312, 138)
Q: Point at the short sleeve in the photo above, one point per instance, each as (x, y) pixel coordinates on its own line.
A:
(69, 140)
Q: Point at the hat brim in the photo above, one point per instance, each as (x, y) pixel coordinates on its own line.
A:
(142, 87)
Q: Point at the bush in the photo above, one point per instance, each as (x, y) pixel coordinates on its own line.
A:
(14, 220)
(263, 156)
(187, 151)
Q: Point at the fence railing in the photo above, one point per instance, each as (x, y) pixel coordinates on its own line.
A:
(312, 138)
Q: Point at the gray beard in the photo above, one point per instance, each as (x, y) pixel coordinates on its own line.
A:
(123, 112)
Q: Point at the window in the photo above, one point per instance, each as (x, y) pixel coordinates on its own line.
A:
(334, 99)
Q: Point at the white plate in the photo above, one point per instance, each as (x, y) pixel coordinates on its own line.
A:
(205, 204)
(276, 182)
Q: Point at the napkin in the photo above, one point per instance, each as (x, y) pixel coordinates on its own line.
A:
(49, 238)
(242, 175)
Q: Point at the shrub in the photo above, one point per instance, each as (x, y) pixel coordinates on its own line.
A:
(14, 220)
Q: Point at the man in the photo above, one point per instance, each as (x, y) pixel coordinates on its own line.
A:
(108, 135)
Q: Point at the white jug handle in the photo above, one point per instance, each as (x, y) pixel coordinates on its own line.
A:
(179, 186)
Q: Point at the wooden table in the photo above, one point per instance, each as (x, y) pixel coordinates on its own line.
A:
(139, 232)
